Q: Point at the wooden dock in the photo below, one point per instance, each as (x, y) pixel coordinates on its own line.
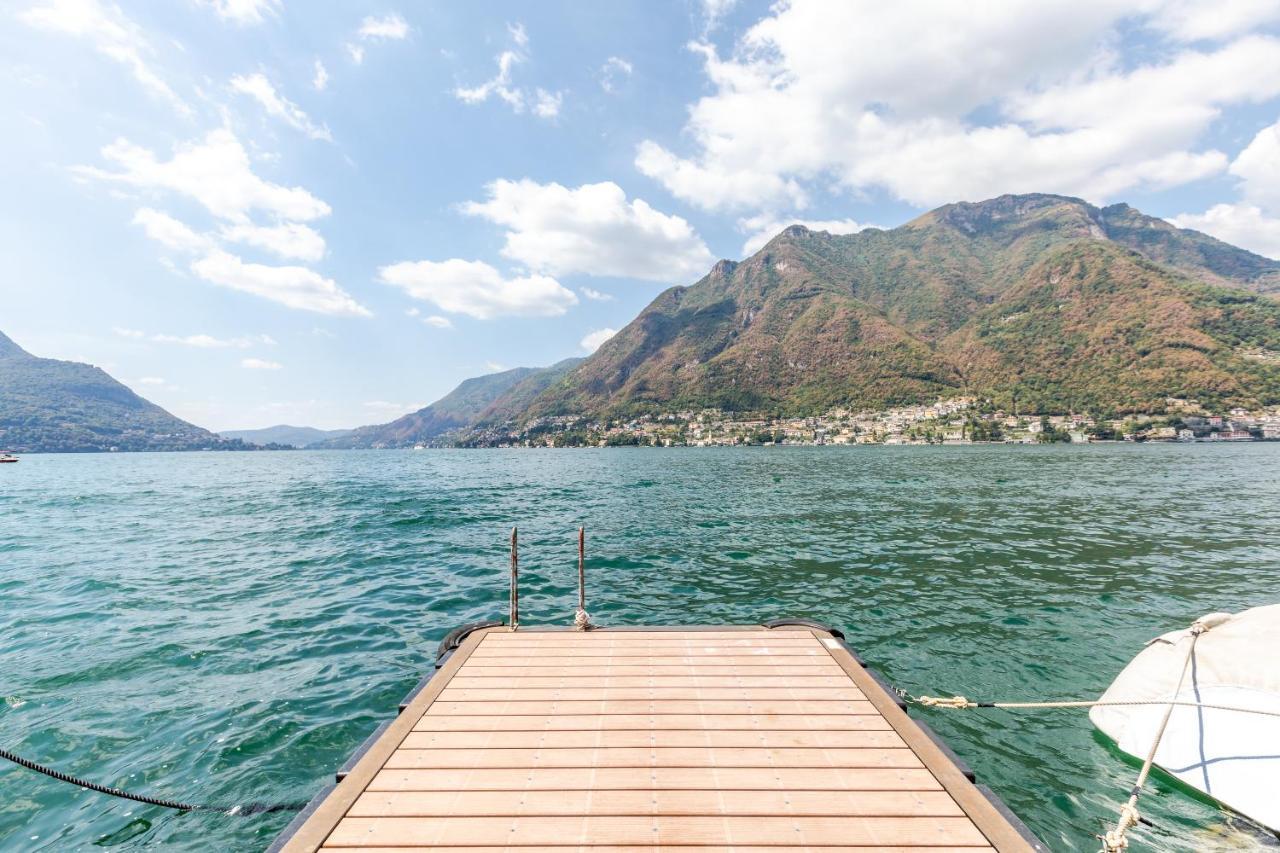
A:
(746, 739)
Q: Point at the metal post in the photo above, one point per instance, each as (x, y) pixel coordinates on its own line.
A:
(515, 582)
(581, 621)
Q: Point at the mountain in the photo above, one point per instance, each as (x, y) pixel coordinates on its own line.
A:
(497, 396)
(47, 405)
(1042, 301)
(284, 434)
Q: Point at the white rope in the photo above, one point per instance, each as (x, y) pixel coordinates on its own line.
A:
(961, 703)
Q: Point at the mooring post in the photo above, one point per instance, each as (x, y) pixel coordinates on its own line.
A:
(515, 582)
(581, 620)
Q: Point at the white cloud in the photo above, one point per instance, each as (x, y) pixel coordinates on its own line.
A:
(1241, 225)
(764, 228)
(288, 240)
(128, 333)
(593, 230)
(392, 27)
(296, 287)
(320, 80)
(210, 342)
(258, 87)
(1258, 168)
(260, 364)
(613, 72)
(112, 34)
(435, 321)
(1193, 20)
(356, 52)
(713, 11)
(1254, 222)
(393, 410)
(478, 290)
(244, 12)
(985, 99)
(595, 295)
(593, 340)
(495, 366)
(215, 172)
(169, 232)
(545, 104)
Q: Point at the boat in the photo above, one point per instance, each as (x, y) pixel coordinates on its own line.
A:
(1223, 732)
(7, 457)
(648, 738)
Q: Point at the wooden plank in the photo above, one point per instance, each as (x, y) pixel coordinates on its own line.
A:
(809, 658)
(803, 668)
(642, 706)
(651, 722)
(621, 694)
(526, 635)
(637, 803)
(589, 830)
(666, 778)
(671, 650)
(619, 641)
(778, 679)
(690, 756)
(667, 848)
(595, 737)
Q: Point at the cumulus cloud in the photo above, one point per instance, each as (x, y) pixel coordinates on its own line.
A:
(169, 232)
(215, 172)
(593, 340)
(1008, 98)
(288, 240)
(258, 87)
(764, 228)
(388, 27)
(320, 78)
(478, 290)
(244, 12)
(1254, 222)
(199, 341)
(595, 295)
(111, 33)
(614, 71)
(296, 287)
(592, 229)
(435, 321)
(260, 364)
(544, 103)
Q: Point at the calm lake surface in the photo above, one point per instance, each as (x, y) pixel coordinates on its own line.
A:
(228, 627)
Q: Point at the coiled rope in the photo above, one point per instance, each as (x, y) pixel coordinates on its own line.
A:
(1116, 840)
(243, 809)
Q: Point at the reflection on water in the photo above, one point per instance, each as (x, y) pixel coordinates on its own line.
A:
(228, 627)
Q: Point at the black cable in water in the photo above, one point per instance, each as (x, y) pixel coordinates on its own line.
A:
(245, 809)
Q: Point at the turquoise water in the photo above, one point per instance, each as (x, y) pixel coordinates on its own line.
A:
(228, 627)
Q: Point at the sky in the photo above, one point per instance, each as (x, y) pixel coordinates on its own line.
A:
(256, 212)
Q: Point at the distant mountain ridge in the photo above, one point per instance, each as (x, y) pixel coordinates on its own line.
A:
(1041, 300)
(496, 396)
(284, 434)
(47, 405)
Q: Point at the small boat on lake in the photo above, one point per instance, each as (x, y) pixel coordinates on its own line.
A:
(1223, 731)
(8, 457)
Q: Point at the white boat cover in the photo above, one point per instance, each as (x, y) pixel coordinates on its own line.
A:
(1233, 757)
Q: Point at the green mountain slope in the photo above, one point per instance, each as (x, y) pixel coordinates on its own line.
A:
(474, 401)
(1041, 298)
(48, 405)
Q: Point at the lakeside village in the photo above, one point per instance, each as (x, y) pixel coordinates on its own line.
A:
(956, 421)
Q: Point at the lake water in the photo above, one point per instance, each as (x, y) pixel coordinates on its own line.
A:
(229, 627)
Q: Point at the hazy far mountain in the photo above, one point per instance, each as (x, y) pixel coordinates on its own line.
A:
(295, 436)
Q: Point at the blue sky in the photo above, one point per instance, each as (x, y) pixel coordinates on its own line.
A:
(265, 211)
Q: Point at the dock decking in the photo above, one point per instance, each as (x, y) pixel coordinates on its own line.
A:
(746, 739)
